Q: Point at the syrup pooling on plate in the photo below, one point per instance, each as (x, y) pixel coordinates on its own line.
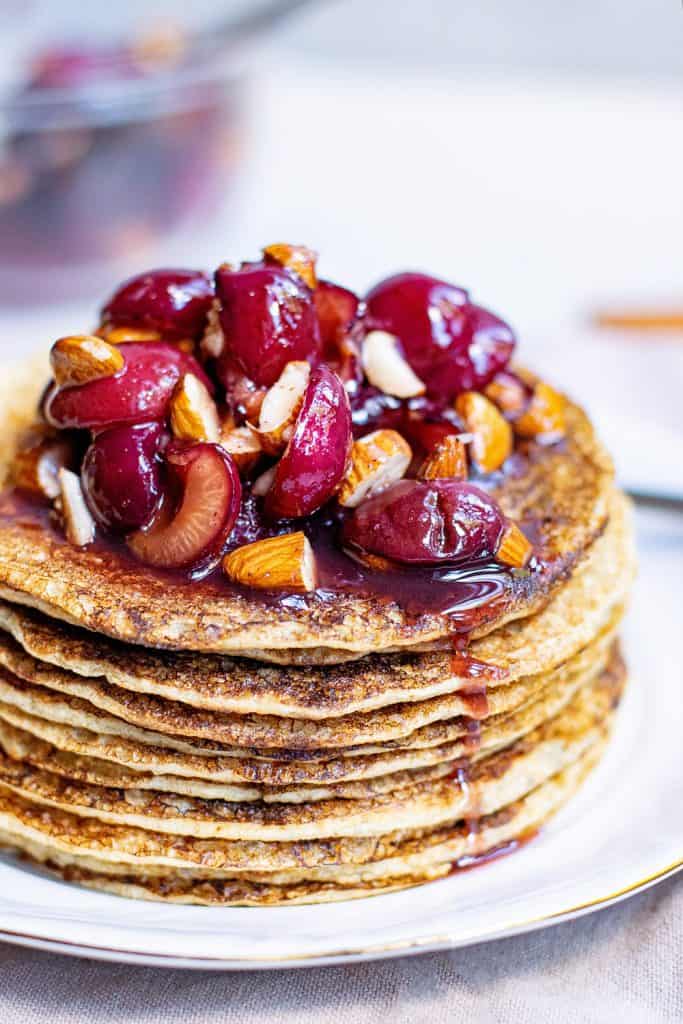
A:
(300, 441)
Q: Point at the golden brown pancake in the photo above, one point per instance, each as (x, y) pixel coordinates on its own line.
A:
(561, 495)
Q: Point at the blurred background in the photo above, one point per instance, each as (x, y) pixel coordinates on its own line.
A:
(531, 152)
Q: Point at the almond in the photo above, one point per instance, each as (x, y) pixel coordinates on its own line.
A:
(544, 416)
(263, 483)
(387, 369)
(280, 407)
(276, 563)
(448, 460)
(194, 416)
(119, 335)
(213, 342)
(514, 549)
(35, 466)
(509, 393)
(244, 446)
(82, 358)
(377, 461)
(491, 433)
(296, 258)
(79, 525)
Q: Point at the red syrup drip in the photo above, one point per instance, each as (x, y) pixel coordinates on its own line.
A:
(476, 860)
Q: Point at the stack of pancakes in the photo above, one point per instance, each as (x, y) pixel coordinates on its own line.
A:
(161, 740)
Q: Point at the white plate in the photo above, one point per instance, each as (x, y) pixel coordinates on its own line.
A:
(623, 832)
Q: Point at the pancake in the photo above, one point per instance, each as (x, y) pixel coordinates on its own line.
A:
(77, 754)
(579, 610)
(414, 861)
(489, 783)
(257, 733)
(562, 493)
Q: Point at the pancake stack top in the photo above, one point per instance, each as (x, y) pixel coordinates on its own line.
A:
(302, 597)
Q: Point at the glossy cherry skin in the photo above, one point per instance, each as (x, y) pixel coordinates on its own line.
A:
(451, 344)
(174, 302)
(337, 309)
(121, 476)
(431, 522)
(196, 519)
(315, 459)
(268, 319)
(139, 393)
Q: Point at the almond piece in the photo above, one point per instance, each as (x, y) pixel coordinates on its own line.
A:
(79, 525)
(119, 335)
(386, 368)
(194, 416)
(263, 483)
(448, 460)
(544, 416)
(377, 461)
(82, 358)
(491, 432)
(213, 342)
(35, 466)
(280, 407)
(508, 393)
(276, 563)
(244, 446)
(296, 258)
(514, 549)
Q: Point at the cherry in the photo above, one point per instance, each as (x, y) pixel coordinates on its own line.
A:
(174, 302)
(268, 319)
(140, 392)
(427, 523)
(121, 476)
(337, 309)
(192, 532)
(315, 459)
(451, 344)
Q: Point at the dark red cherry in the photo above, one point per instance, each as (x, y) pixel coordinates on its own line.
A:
(315, 459)
(337, 309)
(268, 319)
(451, 344)
(140, 392)
(173, 302)
(194, 523)
(121, 476)
(427, 523)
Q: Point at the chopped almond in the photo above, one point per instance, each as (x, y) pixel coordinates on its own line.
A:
(276, 563)
(448, 460)
(296, 258)
(83, 357)
(387, 369)
(35, 466)
(263, 483)
(545, 416)
(509, 393)
(280, 407)
(213, 342)
(244, 446)
(119, 335)
(377, 461)
(491, 433)
(514, 548)
(194, 416)
(79, 525)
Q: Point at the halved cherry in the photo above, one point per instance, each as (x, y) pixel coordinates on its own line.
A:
(121, 476)
(139, 392)
(428, 522)
(315, 459)
(191, 531)
(174, 302)
(268, 320)
(451, 344)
